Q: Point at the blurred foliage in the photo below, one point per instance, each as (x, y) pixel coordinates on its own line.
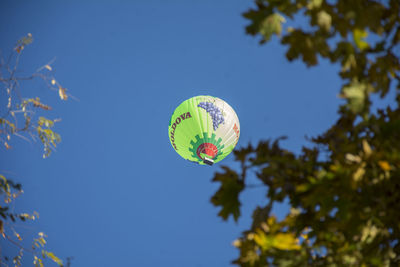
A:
(343, 188)
(19, 119)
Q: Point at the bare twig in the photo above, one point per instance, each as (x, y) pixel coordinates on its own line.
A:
(45, 66)
(19, 245)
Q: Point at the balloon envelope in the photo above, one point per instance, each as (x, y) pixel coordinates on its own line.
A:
(204, 129)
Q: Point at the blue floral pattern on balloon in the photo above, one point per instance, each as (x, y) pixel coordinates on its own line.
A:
(215, 113)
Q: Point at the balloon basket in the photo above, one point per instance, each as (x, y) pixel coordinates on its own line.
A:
(208, 161)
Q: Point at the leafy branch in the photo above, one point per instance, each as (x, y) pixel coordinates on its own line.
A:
(19, 118)
(343, 188)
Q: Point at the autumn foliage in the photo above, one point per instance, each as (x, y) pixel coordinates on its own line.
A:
(21, 118)
(343, 189)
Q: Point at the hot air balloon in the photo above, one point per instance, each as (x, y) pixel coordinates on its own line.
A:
(204, 129)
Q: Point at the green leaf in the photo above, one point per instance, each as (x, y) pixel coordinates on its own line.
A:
(271, 25)
(228, 194)
(304, 45)
(356, 94)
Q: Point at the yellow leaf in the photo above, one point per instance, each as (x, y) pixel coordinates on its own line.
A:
(26, 40)
(27, 216)
(286, 241)
(359, 173)
(36, 103)
(367, 149)
(314, 4)
(352, 158)
(19, 48)
(53, 82)
(384, 165)
(271, 220)
(18, 236)
(62, 93)
(324, 20)
(54, 258)
(48, 67)
(42, 241)
(282, 241)
(271, 25)
(7, 145)
(359, 36)
(38, 262)
(369, 232)
(250, 236)
(236, 243)
(261, 239)
(350, 62)
(304, 236)
(302, 188)
(265, 227)
(356, 92)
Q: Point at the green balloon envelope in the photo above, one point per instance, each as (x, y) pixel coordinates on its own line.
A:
(204, 129)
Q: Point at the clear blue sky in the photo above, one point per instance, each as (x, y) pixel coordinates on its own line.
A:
(115, 193)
